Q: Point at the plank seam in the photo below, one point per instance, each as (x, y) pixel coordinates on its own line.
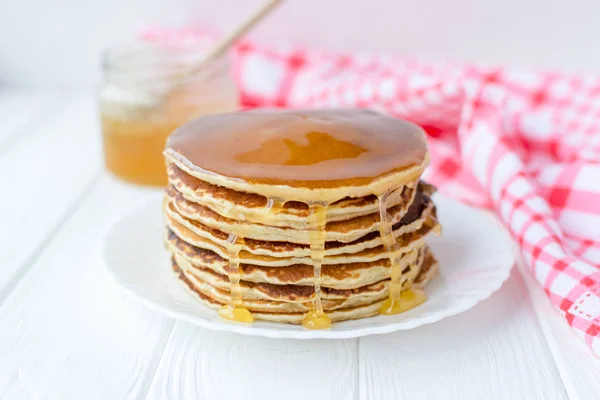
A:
(150, 376)
(27, 265)
(358, 369)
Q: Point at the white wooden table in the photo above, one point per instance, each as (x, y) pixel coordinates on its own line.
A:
(68, 332)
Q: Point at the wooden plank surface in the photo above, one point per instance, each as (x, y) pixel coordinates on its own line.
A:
(468, 356)
(45, 172)
(67, 331)
(202, 364)
(494, 351)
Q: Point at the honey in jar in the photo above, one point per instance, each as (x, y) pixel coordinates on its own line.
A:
(147, 92)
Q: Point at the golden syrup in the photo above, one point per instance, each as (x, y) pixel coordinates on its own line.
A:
(235, 311)
(307, 148)
(399, 300)
(409, 298)
(316, 318)
(273, 207)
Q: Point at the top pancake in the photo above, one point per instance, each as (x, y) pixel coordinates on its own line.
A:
(303, 155)
(251, 206)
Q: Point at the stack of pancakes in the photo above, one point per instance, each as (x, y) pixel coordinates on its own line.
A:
(257, 175)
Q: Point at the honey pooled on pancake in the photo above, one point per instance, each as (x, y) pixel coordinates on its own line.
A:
(268, 180)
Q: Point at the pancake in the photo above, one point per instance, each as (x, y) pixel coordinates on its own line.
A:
(344, 231)
(271, 306)
(294, 293)
(337, 309)
(239, 206)
(338, 276)
(300, 216)
(417, 222)
(194, 245)
(304, 155)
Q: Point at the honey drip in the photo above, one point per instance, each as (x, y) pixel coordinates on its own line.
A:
(274, 207)
(316, 318)
(399, 300)
(235, 311)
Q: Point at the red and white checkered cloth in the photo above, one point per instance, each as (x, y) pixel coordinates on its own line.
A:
(524, 143)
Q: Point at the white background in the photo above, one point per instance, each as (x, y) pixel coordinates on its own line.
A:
(56, 42)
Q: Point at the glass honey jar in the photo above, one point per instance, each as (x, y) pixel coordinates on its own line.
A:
(148, 90)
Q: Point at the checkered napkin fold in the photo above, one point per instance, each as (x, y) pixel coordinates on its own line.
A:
(523, 143)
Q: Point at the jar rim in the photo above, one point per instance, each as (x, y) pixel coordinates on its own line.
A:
(148, 61)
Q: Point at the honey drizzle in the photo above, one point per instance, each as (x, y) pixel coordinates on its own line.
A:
(274, 207)
(399, 300)
(235, 310)
(316, 318)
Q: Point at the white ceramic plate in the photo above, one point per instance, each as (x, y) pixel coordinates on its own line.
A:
(474, 254)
